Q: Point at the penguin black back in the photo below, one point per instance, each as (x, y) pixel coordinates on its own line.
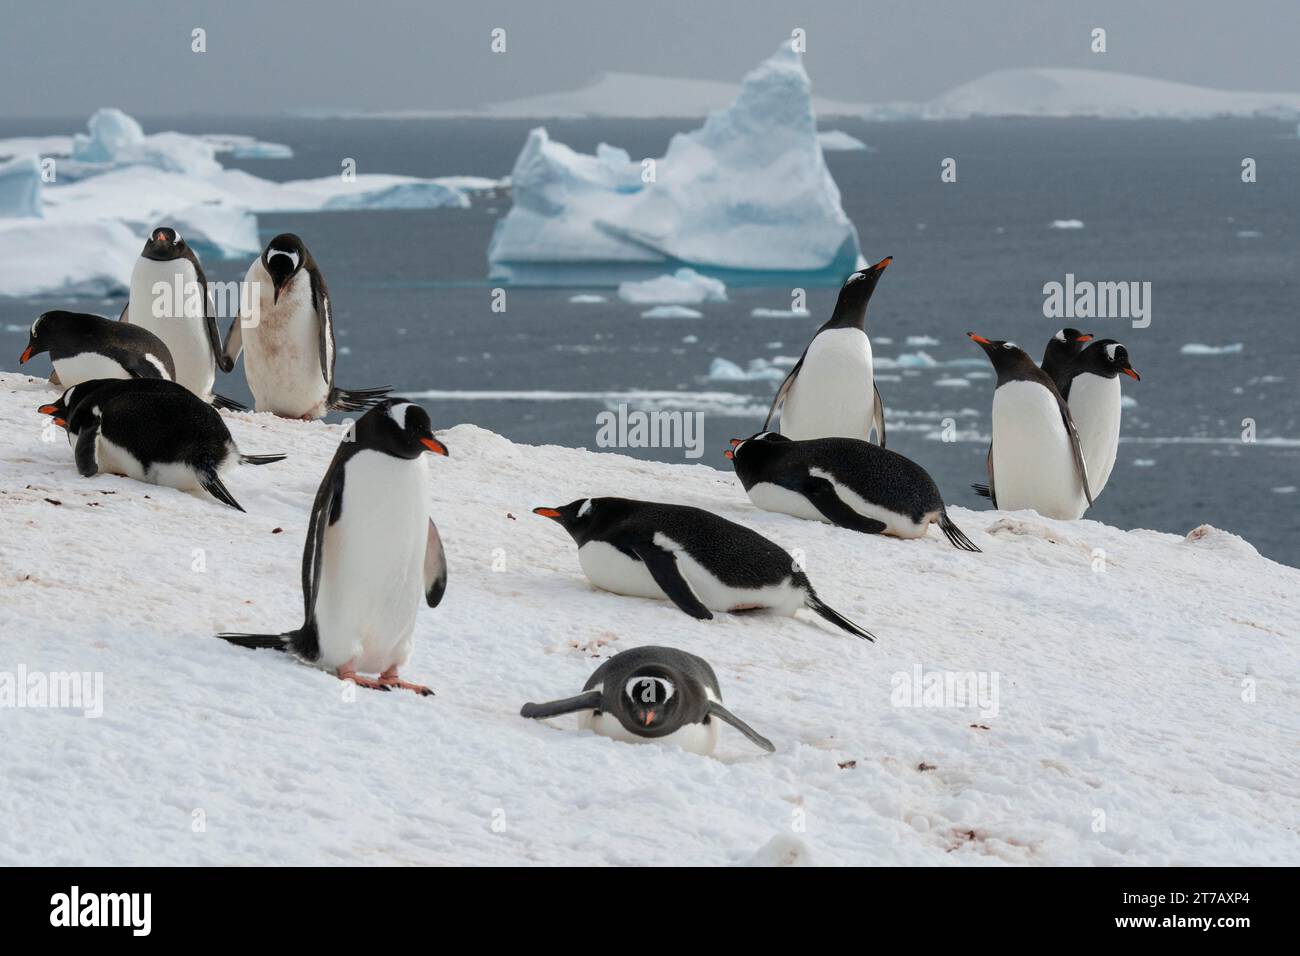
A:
(66, 334)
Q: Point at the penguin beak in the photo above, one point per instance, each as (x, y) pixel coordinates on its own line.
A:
(435, 446)
(1085, 337)
(981, 340)
(736, 441)
(883, 264)
(648, 716)
(49, 409)
(1128, 370)
(546, 512)
(61, 423)
(729, 454)
(27, 353)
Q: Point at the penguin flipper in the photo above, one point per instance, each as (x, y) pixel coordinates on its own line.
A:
(662, 566)
(435, 567)
(234, 341)
(781, 393)
(1080, 465)
(126, 312)
(717, 710)
(878, 416)
(211, 483)
(355, 399)
(220, 401)
(992, 488)
(981, 490)
(209, 316)
(822, 494)
(555, 708)
(261, 459)
(87, 464)
(329, 499)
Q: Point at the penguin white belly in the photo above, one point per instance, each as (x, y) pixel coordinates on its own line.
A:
(693, 738)
(372, 564)
(833, 395)
(773, 497)
(282, 354)
(86, 367)
(113, 459)
(1033, 465)
(181, 326)
(1095, 408)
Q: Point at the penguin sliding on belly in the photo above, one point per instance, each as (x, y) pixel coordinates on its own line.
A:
(649, 694)
(1035, 459)
(169, 297)
(372, 553)
(844, 481)
(151, 430)
(697, 560)
(289, 350)
(831, 391)
(84, 347)
(1090, 385)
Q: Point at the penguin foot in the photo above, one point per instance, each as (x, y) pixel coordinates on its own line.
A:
(346, 672)
(389, 678)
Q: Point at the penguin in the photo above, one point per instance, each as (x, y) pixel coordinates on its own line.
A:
(1091, 389)
(152, 430)
(289, 351)
(649, 694)
(697, 560)
(831, 391)
(372, 553)
(168, 279)
(1061, 348)
(843, 481)
(1035, 459)
(84, 347)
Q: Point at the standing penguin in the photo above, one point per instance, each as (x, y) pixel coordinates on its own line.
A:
(831, 391)
(372, 553)
(84, 347)
(1061, 350)
(697, 560)
(289, 351)
(1091, 388)
(650, 694)
(1035, 460)
(169, 297)
(844, 481)
(151, 430)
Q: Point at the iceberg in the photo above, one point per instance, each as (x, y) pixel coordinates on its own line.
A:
(114, 139)
(836, 140)
(246, 147)
(20, 188)
(683, 287)
(747, 192)
(94, 258)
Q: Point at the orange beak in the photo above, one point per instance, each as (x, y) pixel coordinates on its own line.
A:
(48, 409)
(978, 338)
(546, 512)
(883, 264)
(1132, 374)
(649, 716)
(729, 453)
(1084, 338)
(61, 423)
(27, 353)
(736, 441)
(435, 446)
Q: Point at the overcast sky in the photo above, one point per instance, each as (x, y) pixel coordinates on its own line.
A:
(68, 57)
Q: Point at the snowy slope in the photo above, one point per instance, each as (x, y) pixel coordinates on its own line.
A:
(1119, 691)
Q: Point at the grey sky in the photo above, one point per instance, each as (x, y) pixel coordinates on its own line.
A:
(67, 57)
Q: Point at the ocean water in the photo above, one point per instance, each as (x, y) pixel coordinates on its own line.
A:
(1160, 202)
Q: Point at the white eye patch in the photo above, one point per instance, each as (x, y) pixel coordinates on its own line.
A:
(1110, 351)
(649, 690)
(291, 256)
(399, 412)
(586, 506)
(36, 323)
(1060, 336)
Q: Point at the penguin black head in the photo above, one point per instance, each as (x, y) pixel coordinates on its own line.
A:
(399, 428)
(58, 408)
(1063, 346)
(582, 517)
(851, 307)
(656, 700)
(1009, 360)
(283, 257)
(163, 244)
(67, 402)
(759, 446)
(38, 339)
(1105, 357)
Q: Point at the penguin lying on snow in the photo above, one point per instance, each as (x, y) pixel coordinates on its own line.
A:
(831, 391)
(289, 353)
(1035, 459)
(1061, 350)
(372, 552)
(84, 347)
(694, 558)
(844, 481)
(650, 694)
(152, 430)
(1090, 385)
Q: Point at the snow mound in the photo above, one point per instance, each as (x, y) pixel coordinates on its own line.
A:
(748, 191)
(1120, 738)
(20, 188)
(683, 287)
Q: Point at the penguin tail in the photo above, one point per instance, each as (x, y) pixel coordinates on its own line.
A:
(260, 459)
(211, 483)
(955, 534)
(816, 605)
(276, 642)
(982, 490)
(220, 401)
(355, 399)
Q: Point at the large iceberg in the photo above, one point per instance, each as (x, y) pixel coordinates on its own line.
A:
(115, 139)
(20, 188)
(748, 192)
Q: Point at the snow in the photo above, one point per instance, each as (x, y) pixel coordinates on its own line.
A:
(836, 140)
(1196, 348)
(749, 190)
(685, 286)
(20, 188)
(1123, 690)
(671, 312)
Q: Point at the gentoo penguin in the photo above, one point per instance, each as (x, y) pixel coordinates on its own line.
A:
(650, 694)
(694, 558)
(289, 351)
(84, 347)
(153, 430)
(831, 391)
(1035, 460)
(843, 481)
(169, 297)
(1061, 348)
(372, 552)
(1091, 388)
